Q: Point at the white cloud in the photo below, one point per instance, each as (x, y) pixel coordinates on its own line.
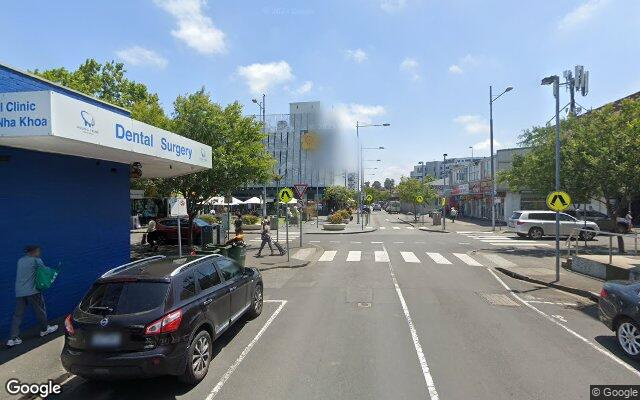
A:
(194, 27)
(357, 55)
(394, 172)
(455, 69)
(467, 62)
(472, 123)
(581, 14)
(304, 88)
(411, 67)
(485, 145)
(347, 115)
(260, 77)
(139, 56)
(392, 6)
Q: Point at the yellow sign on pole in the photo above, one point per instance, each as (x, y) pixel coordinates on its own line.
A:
(285, 195)
(369, 198)
(558, 201)
(419, 199)
(443, 201)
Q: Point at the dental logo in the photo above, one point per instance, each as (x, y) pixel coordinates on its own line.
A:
(88, 123)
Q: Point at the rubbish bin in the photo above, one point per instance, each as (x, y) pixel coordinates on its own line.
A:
(237, 253)
(273, 225)
(223, 250)
(206, 235)
(437, 219)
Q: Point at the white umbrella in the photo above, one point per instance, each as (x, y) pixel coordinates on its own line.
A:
(253, 200)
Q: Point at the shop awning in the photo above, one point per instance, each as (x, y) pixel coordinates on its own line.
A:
(51, 122)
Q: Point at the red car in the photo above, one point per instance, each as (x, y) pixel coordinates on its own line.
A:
(168, 229)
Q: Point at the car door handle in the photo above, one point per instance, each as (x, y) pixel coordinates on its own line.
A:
(207, 302)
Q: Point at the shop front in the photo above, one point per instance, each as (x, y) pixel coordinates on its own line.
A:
(65, 165)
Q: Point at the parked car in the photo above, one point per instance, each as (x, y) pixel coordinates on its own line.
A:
(158, 316)
(393, 207)
(537, 224)
(377, 207)
(618, 309)
(603, 220)
(168, 229)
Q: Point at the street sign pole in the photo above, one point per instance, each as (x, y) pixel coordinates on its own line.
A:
(286, 218)
(179, 238)
(556, 93)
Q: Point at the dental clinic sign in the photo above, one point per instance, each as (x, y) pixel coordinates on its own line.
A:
(54, 114)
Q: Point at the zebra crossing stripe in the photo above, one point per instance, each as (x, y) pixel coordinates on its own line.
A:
(354, 256)
(438, 258)
(328, 255)
(410, 227)
(396, 227)
(303, 254)
(467, 259)
(381, 256)
(409, 257)
(383, 227)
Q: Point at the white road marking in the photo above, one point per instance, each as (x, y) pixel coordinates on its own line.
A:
(356, 242)
(566, 328)
(396, 227)
(216, 389)
(314, 241)
(497, 260)
(381, 256)
(410, 227)
(354, 256)
(376, 242)
(386, 219)
(467, 259)
(303, 254)
(438, 258)
(328, 255)
(556, 303)
(398, 242)
(419, 242)
(464, 243)
(519, 244)
(334, 241)
(428, 379)
(383, 227)
(409, 257)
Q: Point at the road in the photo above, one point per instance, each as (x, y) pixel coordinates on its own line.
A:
(401, 314)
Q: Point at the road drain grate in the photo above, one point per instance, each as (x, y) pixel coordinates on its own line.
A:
(497, 299)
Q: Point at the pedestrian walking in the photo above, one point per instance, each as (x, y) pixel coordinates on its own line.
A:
(152, 235)
(265, 236)
(629, 219)
(453, 214)
(28, 294)
(238, 222)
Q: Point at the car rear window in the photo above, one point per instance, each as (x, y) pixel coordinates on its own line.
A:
(516, 215)
(124, 297)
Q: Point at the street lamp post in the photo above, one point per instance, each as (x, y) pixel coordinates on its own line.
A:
(361, 197)
(261, 105)
(360, 173)
(555, 81)
(493, 174)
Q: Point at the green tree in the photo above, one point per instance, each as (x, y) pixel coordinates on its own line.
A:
(377, 185)
(338, 197)
(410, 188)
(389, 184)
(239, 156)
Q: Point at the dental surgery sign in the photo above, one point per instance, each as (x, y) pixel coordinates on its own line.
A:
(48, 113)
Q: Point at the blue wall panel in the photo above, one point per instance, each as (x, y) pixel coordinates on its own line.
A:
(76, 209)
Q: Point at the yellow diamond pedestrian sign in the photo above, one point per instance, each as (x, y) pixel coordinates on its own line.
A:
(285, 195)
(558, 201)
(419, 199)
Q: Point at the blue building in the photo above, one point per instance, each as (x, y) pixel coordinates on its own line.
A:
(65, 162)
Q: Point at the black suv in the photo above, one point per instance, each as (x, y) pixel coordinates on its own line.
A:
(158, 316)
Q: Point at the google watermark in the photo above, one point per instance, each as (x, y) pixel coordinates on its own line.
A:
(14, 386)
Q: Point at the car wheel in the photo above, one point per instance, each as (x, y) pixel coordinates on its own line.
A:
(256, 303)
(628, 335)
(536, 233)
(198, 358)
(587, 235)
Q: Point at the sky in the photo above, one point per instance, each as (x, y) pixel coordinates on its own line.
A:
(424, 66)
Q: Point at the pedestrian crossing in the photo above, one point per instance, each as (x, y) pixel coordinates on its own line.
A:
(500, 240)
(410, 257)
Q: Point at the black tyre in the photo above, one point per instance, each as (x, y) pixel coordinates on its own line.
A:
(628, 333)
(536, 233)
(198, 358)
(256, 303)
(587, 235)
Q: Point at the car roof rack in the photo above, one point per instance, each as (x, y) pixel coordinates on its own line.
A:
(131, 264)
(183, 266)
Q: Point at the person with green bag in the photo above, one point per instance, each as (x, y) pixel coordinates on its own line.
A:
(32, 276)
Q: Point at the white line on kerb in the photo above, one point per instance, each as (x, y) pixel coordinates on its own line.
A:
(246, 350)
(433, 394)
(566, 328)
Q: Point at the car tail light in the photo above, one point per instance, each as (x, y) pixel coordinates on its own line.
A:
(519, 222)
(68, 325)
(166, 324)
(603, 293)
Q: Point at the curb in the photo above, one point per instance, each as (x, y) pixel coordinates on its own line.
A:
(289, 266)
(340, 233)
(580, 292)
(422, 228)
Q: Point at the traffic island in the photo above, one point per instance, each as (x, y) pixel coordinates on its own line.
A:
(333, 227)
(605, 267)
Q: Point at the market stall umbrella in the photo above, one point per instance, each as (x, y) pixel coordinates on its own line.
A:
(253, 200)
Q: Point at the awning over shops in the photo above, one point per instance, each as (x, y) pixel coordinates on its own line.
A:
(52, 122)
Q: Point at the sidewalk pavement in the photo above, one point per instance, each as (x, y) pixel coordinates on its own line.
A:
(460, 225)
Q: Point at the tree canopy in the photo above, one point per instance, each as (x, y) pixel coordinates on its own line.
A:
(338, 197)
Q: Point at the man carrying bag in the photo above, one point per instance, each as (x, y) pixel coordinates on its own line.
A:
(32, 276)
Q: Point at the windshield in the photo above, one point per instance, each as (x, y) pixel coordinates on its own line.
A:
(124, 297)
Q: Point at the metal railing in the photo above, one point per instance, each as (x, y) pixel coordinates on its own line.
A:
(575, 234)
